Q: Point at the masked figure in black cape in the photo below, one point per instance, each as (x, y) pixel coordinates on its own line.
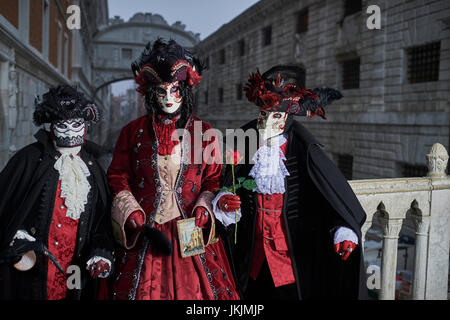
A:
(299, 230)
(54, 203)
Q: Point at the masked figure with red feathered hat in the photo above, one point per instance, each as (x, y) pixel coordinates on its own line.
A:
(55, 227)
(158, 182)
(299, 230)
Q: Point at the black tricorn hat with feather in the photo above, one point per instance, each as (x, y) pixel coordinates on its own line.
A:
(62, 103)
(278, 89)
(166, 62)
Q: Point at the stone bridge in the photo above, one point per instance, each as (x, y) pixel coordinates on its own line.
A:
(119, 43)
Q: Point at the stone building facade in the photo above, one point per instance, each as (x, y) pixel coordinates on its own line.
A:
(37, 51)
(395, 80)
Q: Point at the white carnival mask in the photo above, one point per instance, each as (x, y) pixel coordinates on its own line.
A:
(69, 133)
(168, 97)
(271, 123)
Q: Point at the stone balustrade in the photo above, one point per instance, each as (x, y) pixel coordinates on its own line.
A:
(425, 200)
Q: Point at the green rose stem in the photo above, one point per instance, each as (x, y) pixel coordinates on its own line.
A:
(235, 210)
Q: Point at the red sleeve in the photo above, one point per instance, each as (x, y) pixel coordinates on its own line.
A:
(212, 174)
(119, 172)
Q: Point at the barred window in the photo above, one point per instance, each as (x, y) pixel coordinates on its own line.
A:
(196, 98)
(239, 89)
(206, 62)
(302, 78)
(127, 53)
(222, 56)
(302, 21)
(345, 164)
(423, 63)
(267, 35)
(413, 170)
(241, 47)
(220, 93)
(352, 6)
(350, 73)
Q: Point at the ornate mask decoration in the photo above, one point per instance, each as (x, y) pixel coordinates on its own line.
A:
(168, 97)
(279, 90)
(271, 124)
(69, 133)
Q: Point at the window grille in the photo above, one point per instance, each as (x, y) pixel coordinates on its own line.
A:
(352, 6)
(345, 164)
(302, 21)
(239, 89)
(267, 36)
(220, 92)
(413, 170)
(350, 73)
(423, 63)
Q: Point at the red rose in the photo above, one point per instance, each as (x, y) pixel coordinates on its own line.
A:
(234, 156)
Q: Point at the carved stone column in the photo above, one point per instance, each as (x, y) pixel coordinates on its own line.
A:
(420, 256)
(437, 161)
(391, 229)
(366, 226)
(436, 280)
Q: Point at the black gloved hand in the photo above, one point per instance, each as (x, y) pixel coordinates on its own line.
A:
(9, 256)
(13, 254)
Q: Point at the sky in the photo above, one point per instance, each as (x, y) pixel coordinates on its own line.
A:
(199, 16)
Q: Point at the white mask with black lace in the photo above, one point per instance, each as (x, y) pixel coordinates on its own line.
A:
(69, 133)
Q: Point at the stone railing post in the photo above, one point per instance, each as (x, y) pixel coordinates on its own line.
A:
(391, 230)
(366, 226)
(420, 256)
(436, 280)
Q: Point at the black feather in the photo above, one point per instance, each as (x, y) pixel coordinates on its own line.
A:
(158, 240)
(325, 96)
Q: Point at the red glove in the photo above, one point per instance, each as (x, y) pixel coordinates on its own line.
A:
(229, 203)
(98, 268)
(201, 217)
(135, 221)
(344, 248)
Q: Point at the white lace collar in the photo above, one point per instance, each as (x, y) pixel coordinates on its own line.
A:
(73, 174)
(269, 169)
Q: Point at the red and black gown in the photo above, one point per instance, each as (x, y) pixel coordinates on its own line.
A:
(142, 178)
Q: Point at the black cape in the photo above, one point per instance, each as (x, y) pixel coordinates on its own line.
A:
(318, 199)
(27, 192)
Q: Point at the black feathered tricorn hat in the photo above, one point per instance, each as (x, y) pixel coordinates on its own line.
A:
(62, 103)
(279, 89)
(166, 62)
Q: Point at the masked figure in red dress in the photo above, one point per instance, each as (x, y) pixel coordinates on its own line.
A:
(55, 207)
(157, 182)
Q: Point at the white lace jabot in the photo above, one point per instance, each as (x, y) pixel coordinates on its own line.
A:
(269, 169)
(75, 187)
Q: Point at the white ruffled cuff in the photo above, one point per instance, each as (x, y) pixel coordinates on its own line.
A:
(345, 234)
(22, 234)
(226, 218)
(92, 261)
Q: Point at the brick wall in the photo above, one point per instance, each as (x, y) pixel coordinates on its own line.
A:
(58, 16)
(10, 10)
(36, 23)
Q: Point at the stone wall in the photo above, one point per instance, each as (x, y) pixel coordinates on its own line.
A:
(386, 120)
